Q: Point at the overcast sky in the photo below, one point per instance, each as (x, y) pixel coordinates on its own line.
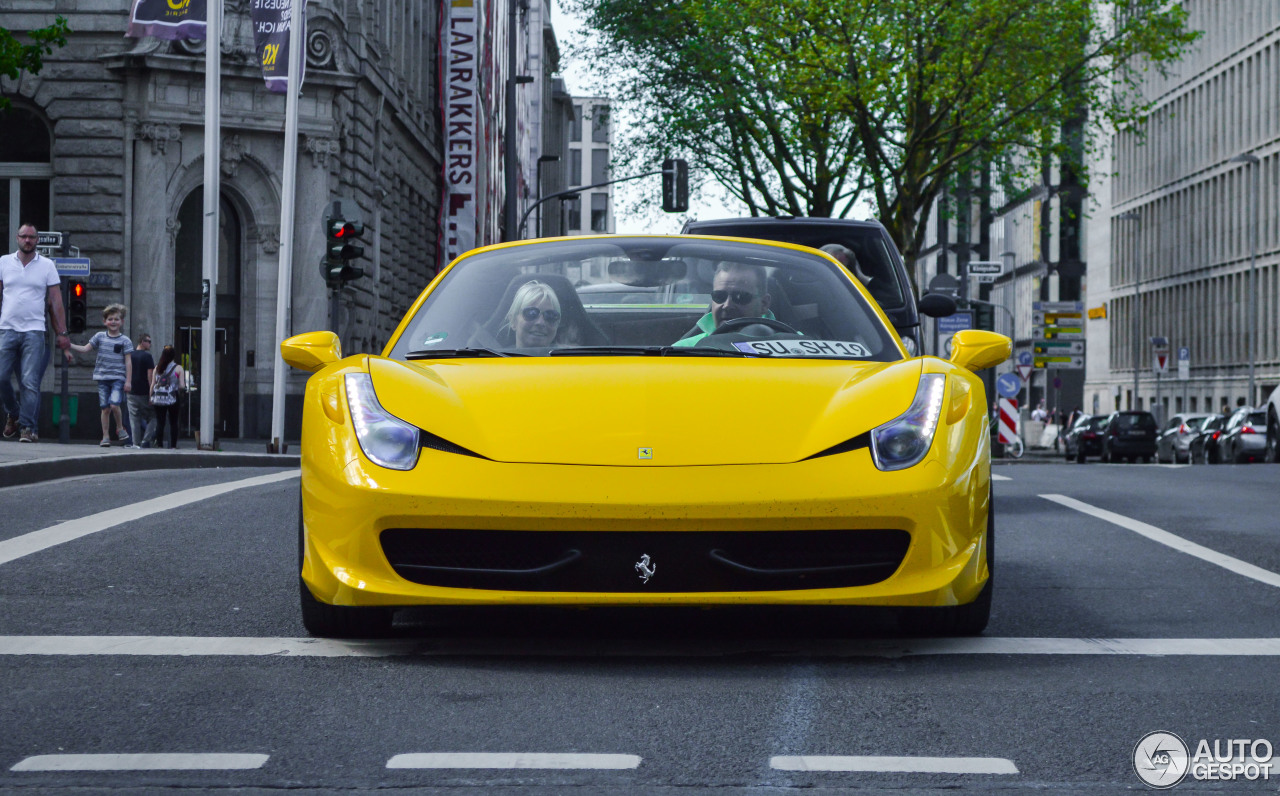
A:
(569, 31)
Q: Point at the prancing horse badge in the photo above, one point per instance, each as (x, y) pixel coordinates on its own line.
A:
(645, 568)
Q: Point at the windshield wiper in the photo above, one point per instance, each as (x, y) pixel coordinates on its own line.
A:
(457, 353)
(642, 351)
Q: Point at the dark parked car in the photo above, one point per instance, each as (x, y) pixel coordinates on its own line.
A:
(1129, 435)
(1203, 447)
(1245, 436)
(877, 263)
(1173, 443)
(1273, 427)
(1085, 437)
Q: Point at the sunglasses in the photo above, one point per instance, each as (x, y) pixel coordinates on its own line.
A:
(531, 314)
(738, 296)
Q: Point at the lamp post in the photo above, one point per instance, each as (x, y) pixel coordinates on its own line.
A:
(1136, 218)
(538, 221)
(1253, 272)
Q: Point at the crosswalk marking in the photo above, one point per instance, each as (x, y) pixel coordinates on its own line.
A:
(528, 760)
(1171, 540)
(189, 646)
(34, 542)
(142, 762)
(910, 765)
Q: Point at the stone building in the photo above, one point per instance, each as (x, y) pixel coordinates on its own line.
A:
(106, 145)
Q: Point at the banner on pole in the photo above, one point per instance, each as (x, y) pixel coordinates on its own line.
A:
(168, 19)
(271, 21)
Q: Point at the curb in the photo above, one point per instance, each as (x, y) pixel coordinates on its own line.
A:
(33, 472)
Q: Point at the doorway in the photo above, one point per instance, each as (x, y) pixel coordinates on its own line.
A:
(188, 281)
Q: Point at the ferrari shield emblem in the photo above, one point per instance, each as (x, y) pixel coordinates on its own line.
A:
(645, 453)
(645, 568)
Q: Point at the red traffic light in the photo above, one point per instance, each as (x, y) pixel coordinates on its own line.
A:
(77, 289)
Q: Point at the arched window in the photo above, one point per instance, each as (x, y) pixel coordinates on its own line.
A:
(26, 169)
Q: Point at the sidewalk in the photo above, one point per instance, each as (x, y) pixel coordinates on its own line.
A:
(28, 463)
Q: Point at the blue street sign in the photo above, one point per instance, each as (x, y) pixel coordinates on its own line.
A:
(956, 322)
(1008, 385)
(72, 266)
(1184, 354)
(1024, 357)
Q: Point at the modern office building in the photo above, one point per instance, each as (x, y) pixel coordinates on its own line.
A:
(590, 138)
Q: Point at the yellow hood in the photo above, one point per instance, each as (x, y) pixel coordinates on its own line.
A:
(602, 411)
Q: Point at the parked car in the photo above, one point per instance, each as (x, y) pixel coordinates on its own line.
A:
(1174, 440)
(1245, 437)
(1203, 447)
(1084, 439)
(1130, 435)
(1273, 428)
(876, 262)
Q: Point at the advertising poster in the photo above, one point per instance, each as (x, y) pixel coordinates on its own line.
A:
(167, 19)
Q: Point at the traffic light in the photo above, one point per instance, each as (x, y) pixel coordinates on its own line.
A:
(340, 236)
(675, 185)
(984, 317)
(77, 306)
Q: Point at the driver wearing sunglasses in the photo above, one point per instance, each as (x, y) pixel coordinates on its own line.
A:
(534, 316)
(737, 291)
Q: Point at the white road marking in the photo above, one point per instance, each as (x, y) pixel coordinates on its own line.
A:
(187, 646)
(142, 762)
(914, 765)
(995, 477)
(34, 542)
(513, 760)
(1176, 542)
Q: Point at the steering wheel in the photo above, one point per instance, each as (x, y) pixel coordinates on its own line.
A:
(738, 324)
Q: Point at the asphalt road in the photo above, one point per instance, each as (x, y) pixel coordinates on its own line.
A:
(174, 635)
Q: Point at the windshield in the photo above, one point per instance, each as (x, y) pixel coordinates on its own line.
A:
(669, 296)
(1142, 421)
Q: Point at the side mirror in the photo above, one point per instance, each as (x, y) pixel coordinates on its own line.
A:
(978, 350)
(937, 305)
(311, 351)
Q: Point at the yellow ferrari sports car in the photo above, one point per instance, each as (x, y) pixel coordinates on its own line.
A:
(645, 421)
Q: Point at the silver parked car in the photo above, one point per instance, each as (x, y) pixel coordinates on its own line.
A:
(1245, 437)
(1174, 442)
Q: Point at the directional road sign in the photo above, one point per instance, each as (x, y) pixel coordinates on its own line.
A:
(1057, 306)
(1060, 362)
(1024, 357)
(1059, 348)
(72, 266)
(1008, 385)
(977, 267)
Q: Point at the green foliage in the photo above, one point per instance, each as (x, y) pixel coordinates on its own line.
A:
(808, 107)
(16, 57)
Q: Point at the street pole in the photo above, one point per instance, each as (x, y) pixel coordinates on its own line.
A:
(1253, 273)
(511, 161)
(212, 153)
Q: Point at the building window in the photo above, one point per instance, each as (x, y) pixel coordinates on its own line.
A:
(573, 209)
(600, 124)
(25, 172)
(575, 124)
(599, 212)
(575, 167)
(599, 166)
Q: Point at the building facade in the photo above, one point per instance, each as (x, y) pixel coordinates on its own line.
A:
(1171, 248)
(590, 139)
(106, 145)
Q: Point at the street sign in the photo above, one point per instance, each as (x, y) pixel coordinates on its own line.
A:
(951, 324)
(1059, 347)
(72, 266)
(53, 239)
(1008, 385)
(986, 279)
(1057, 306)
(1161, 362)
(1184, 363)
(1008, 420)
(1160, 342)
(984, 267)
(1024, 371)
(1062, 363)
(1057, 333)
(945, 284)
(1024, 358)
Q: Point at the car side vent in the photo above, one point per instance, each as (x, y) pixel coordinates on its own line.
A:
(863, 440)
(428, 440)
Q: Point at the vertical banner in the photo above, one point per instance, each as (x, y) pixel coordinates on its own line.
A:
(460, 73)
(168, 19)
(271, 21)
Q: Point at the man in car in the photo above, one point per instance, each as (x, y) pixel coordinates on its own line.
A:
(737, 291)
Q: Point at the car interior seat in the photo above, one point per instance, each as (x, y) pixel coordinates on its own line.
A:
(573, 317)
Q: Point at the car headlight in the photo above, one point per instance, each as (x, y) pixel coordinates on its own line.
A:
(903, 441)
(386, 440)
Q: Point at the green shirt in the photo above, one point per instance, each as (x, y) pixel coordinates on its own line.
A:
(708, 325)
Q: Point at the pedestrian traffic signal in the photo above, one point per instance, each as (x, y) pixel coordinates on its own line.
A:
(340, 249)
(77, 306)
(675, 186)
(984, 317)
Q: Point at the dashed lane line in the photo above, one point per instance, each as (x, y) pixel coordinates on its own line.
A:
(1170, 540)
(995, 477)
(526, 760)
(190, 646)
(34, 542)
(142, 762)
(905, 765)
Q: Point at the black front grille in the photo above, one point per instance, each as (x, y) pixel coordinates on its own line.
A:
(682, 561)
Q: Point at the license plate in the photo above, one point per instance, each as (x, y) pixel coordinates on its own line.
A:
(1137, 433)
(803, 348)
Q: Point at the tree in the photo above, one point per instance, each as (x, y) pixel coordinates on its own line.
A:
(16, 57)
(809, 107)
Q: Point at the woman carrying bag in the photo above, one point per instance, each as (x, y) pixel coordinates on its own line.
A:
(170, 381)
